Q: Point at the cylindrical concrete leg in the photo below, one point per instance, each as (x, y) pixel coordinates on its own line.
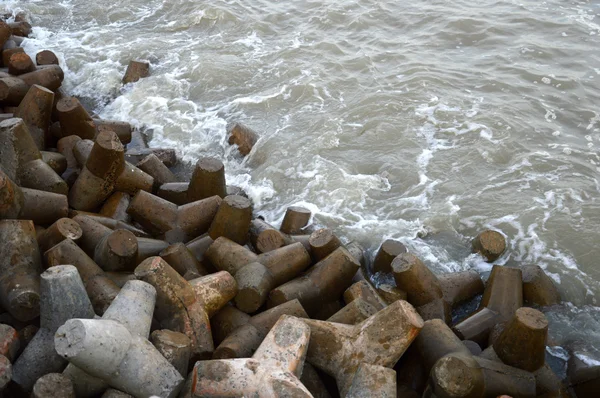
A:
(12, 90)
(214, 291)
(322, 243)
(385, 255)
(225, 321)
(20, 267)
(490, 244)
(133, 307)
(232, 219)
(43, 207)
(435, 341)
(199, 246)
(93, 233)
(183, 261)
(195, 218)
(122, 129)
(65, 146)
(20, 63)
(63, 297)
(36, 110)
(457, 376)
(538, 288)
(174, 192)
(74, 119)
(156, 215)
(460, 286)
(294, 220)
(390, 293)
(522, 344)
(157, 169)
(175, 347)
(365, 291)
(55, 160)
(89, 191)
(53, 385)
(38, 175)
(18, 147)
(11, 197)
(50, 76)
(136, 70)
(207, 180)
(285, 263)
(96, 346)
(46, 57)
(436, 309)
(116, 206)
(478, 326)
(413, 276)
(226, 255)
(117, 251)
(355, 312)
(132, 180)
(254, 282)
(242, 136)
(265, 237)
(82, 150)
(149, 248)
(62, 229)
(503, 291)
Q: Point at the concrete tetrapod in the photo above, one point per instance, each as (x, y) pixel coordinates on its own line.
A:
(381, 340)
(107, 350)
(62, 297)
(322, 283)
(133, 308)
(184, 306)
(465, 376)
(244, 340)
(273, 371)
(176, 223)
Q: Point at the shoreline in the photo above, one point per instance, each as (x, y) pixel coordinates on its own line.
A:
(157, 220)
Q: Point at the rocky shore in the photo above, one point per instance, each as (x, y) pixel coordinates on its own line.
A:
(119, 279)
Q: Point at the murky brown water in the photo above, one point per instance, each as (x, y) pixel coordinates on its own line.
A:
(385, 118)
